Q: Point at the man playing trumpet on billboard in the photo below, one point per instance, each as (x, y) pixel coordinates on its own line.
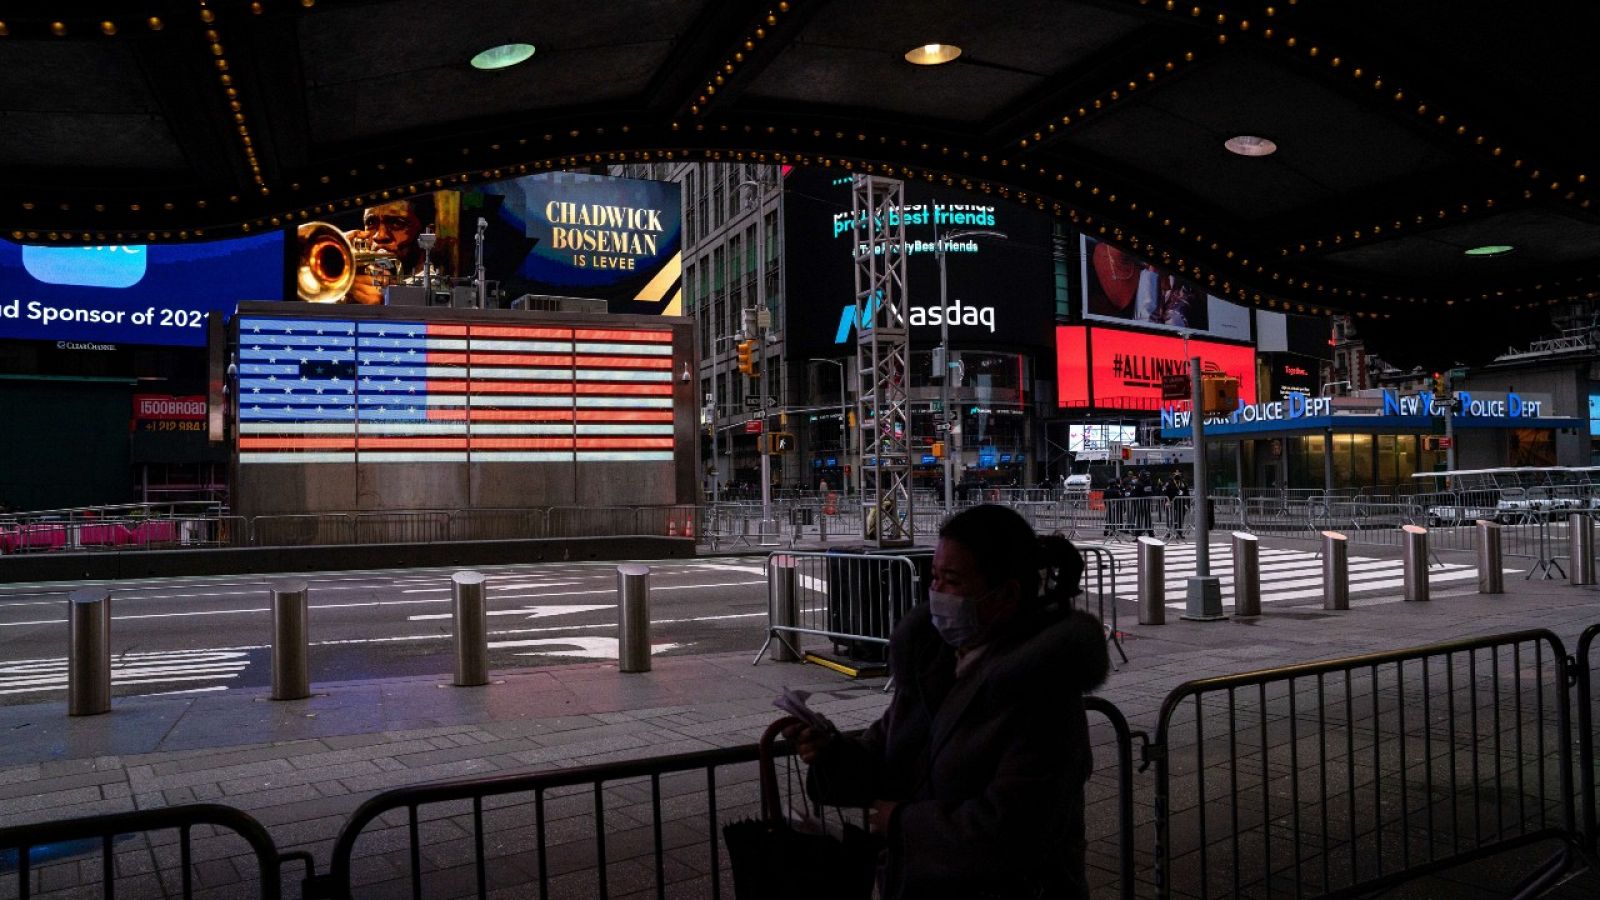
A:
(391, 229)
(355, 266)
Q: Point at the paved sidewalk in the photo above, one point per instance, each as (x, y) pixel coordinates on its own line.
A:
(300, 767)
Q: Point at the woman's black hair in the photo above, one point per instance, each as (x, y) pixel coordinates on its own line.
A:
(1006, 547)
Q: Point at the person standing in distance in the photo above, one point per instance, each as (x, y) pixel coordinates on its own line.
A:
(975, 774)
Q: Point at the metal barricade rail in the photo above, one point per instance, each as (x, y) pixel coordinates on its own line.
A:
(1353, 774)
(303, 530)
(1100, 585)
(1587, 737)
(186, 820)
(852, 600)
(457, 826)
(444, 833)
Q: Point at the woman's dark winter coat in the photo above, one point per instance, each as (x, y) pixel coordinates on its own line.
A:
(988, 769)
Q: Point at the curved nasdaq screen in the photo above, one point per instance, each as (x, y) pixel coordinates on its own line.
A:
(328, 390)
(133, 294)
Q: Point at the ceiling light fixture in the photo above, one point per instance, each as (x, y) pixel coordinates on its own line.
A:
(1250, 145)
(932, 54)
(1490, 250)
(503, 57)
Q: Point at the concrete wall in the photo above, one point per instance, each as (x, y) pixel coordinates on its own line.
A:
(52, 567)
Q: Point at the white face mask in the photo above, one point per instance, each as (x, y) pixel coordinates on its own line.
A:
(955, 617)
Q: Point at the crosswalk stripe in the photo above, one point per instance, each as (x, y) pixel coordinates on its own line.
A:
(1284, 574)
(40, 675)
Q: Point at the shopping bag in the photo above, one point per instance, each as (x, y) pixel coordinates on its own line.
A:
(772, 860)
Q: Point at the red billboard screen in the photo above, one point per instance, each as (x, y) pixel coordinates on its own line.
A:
(1109, 368)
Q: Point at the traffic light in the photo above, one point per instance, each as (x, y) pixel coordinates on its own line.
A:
(747, 363)
(1438, 383)
(1219, 394)
(776, 442)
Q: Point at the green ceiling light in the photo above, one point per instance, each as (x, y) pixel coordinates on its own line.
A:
(503, 57)
(1490, 250)
(932, 54)
(1250, 145)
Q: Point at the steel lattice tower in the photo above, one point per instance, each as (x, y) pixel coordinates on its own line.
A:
(883, 410)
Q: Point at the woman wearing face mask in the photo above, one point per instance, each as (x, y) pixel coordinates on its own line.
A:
(975, 773)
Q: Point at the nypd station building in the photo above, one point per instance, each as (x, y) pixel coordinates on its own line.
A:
(1308, 442)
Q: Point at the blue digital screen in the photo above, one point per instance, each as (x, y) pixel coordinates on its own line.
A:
(986, 459)
(929, 459)
(1594, 415)
(157, 294)
(833, 461)
(1005, 457)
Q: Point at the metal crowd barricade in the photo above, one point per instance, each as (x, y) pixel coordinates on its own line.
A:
(1587, 737)
(668, 521)
(853, 600)
(1125, 767)
(513, 834)
(303, 530)
(1531, 535)
(402, 527)
(1133, 517)
(592, 521)
(1100, 585)
(30, 873)
(1354, 774)
(470, 837)
(498, 524)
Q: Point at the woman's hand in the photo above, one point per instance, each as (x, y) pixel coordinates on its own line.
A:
(880, 814)
(807, 741)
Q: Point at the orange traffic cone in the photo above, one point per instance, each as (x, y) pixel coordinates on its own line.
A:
(688, 528)
(672, 528)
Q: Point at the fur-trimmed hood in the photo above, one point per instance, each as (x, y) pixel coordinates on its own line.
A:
(1056, 647)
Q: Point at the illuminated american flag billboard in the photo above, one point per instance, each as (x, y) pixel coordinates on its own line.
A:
(323, 390)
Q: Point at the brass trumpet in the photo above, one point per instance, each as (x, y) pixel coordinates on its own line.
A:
(330, 262)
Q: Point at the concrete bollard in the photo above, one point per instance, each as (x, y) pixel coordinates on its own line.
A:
(633, 618)
(89, 652)
(785, 609)
(1246, 574)
(1335, 570)
(469, 613)
(291, 673)
(1491, 574)
(1416, 563)
(1580, 548)
(1152, 581)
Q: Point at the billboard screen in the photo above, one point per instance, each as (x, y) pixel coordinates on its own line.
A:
(558, 233)
(1295, 375)
(1000, 290)
(135, 294)
(1121, 287)
(322, 390)
(1118, 369)
(1099, 437)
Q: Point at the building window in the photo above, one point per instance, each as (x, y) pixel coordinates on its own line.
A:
(689, 207)
(1531, 447)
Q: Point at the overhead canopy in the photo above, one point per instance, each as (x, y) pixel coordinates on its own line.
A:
(1406, 133)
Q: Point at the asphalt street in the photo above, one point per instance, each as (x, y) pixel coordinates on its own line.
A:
(214, 633)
